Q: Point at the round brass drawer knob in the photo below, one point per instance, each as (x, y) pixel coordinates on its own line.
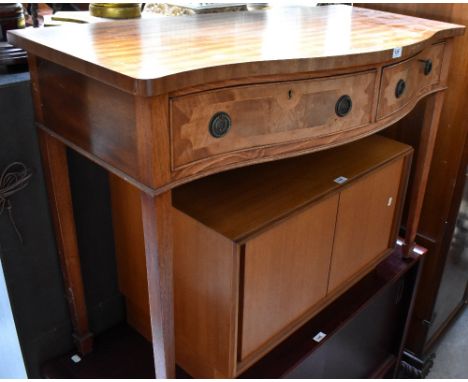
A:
(343, 105)
(220, 124)
(400, 88)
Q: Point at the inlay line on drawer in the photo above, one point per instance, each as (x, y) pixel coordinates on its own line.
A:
(208, 124)
(407, 80)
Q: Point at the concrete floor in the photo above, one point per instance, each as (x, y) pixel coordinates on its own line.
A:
(452, 351)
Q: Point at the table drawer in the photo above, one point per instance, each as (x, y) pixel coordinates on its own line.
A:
(405, 81)
(215, 122)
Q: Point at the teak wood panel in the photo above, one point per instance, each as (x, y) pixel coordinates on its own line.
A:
(130, 253)
(206, 285)
(412, 72)
(240, 203)
(267, 114)
(364, 223)
(157, 56)
(286, 273)
(208, 268)
(206, 274)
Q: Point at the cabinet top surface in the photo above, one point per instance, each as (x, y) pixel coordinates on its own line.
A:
(223, 203)
(157, 55)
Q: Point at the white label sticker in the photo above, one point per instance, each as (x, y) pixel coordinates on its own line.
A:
(319, 336)
(341, 180)
(397, 52)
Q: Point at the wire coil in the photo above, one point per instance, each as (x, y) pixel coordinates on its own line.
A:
(13, 179)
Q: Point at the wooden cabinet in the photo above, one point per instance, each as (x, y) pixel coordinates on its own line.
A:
(246, 275)
(364, 224)
(285, 274)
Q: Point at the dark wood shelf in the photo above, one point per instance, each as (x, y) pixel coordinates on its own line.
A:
(291, 352)
(118, 353)
(123, 353)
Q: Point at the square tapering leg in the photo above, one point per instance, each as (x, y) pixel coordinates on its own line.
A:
(55, 165)
(157, 227)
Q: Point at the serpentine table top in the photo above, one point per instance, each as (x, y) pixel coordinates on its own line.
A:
(149, 57)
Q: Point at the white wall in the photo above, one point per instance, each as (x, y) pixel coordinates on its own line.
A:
(11, 359)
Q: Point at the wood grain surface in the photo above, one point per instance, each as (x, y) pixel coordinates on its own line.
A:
(206, 288)
(215, 277)
(364, 222)
(286, 273)
(130, 253)
(156, 213)
(150, 57)
(412, 72)
(451, 141)
(228, 207)
(430, 126)
(157, 60)
(96, 117)
(54, 157)
(268, 114)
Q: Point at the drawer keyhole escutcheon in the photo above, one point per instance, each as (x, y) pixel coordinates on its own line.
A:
(220, 124)
(343, 105)
(400, 88)
(427, 66)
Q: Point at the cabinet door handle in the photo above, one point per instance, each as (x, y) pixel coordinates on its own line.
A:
(219, 125)
(427, 66)
(400, 88)
(343, 105)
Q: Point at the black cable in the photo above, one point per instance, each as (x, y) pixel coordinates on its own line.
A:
(14, 178)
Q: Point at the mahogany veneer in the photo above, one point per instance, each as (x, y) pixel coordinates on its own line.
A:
(121, 94)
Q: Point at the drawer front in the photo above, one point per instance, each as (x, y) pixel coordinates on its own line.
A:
(405, 81)
(267, 114)
(364, 225)
(285, 274)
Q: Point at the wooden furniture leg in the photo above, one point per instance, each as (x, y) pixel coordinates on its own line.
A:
(157, 228)
(423, 164)
(58, 184)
